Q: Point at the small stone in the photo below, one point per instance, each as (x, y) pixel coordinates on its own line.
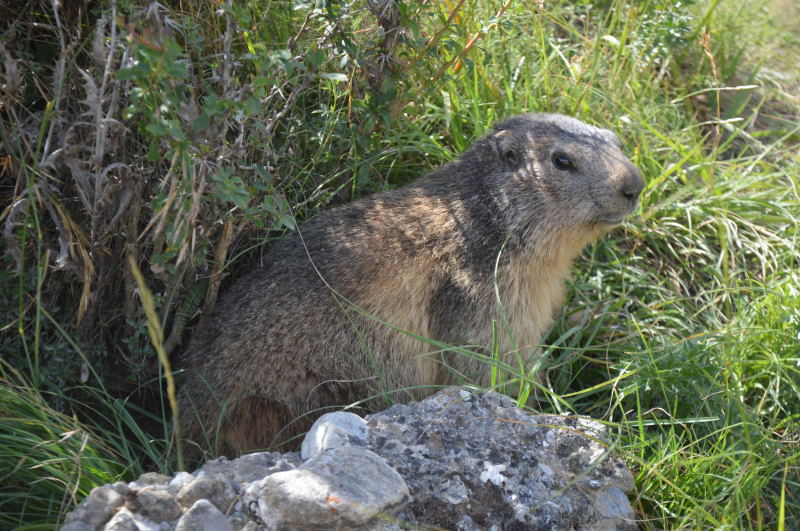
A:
(612, 503)
(121, 487)
(238, 520)
(453, 491)
(212, 488)
(151, 478)
(158, 505)
(125, 520)
(97, 508)
(221, 467)
(180, 479)
(592, 427)
(346, 486)
(618, 475)
(253, 467)
(122, 521)
(466, 523)
(334, 430)
(203, 516)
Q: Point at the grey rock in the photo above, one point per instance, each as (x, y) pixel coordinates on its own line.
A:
(239, 520)
(251, 467)
(332, 430)
(452, 490)
(517, 470)
(158, 505)
(122, 521)
(612, 503)
(466, 523)
(180, 479)
(150, 478)
(221, 466)
(341, 488)
(97, 508)
(121, 488)
(126, 520)
(473, 462)
(216, 489)
(203, 516)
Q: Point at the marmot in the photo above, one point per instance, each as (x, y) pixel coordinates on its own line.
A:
(335, 313)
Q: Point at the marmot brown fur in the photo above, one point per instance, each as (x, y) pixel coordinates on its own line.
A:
(331, 317)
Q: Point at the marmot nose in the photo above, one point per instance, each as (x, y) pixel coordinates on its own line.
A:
(632, 185)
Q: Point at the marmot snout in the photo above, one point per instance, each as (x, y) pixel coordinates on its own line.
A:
(334, 315)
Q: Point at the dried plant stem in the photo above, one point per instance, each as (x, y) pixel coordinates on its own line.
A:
(219, 261)
(705, 42)
(163, 212)
(296, 91)
(157, 339)
(58, 84)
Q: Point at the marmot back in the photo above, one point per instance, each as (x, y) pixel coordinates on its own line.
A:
(333, 316)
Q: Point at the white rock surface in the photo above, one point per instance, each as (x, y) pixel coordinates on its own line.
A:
(333, 430)
(345, 486)
(203, 516)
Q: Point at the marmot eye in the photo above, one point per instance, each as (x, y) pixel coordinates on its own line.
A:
(562, 161)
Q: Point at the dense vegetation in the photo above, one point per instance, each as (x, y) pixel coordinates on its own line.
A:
(177, 138)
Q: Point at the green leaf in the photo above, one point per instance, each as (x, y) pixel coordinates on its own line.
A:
(252, 106)
(201, 122)
(287, 221)
(263, 172)
(315, 57)
(230, 188)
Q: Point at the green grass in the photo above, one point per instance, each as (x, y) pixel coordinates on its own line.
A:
(681, 329)
(48, 461)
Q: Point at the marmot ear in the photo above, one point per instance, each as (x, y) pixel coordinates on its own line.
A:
(611, 137)
(505, 147)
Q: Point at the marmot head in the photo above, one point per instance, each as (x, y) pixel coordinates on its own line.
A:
(559, 171)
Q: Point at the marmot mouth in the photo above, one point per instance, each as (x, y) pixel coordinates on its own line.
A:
(612, 221)
(612, 214)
